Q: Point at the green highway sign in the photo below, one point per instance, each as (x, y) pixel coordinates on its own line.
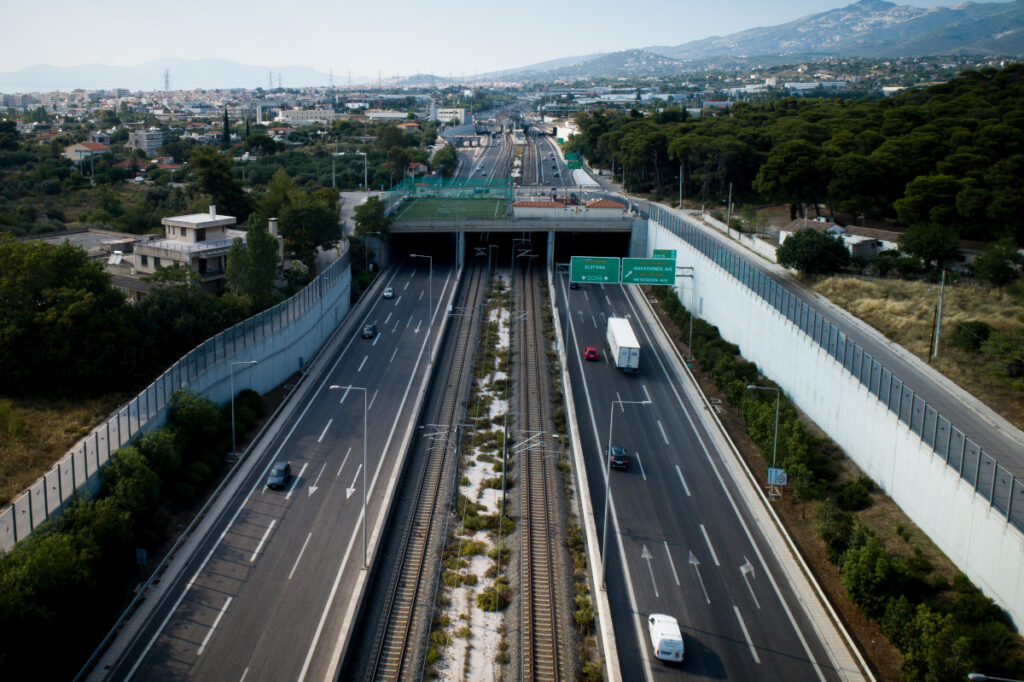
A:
(594, 269)
(648, 271)
(665, 253)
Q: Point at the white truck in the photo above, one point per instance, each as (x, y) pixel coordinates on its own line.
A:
(622, 341)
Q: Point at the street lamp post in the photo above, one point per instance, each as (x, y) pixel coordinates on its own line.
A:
(430, 297)
(778, 396)
(232, 372)
(608, 482)
(335, 387)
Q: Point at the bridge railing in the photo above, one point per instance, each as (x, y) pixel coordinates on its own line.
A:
(994, 482)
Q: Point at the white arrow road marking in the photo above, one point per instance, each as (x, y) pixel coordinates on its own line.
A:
(671, 563)
(296, 481)
(299, 558)
(418, 324)
(262, 540)
(312, 488)
(696, 567)
(345, 459)
(743, 626)
(710, 548)
(747, 570)
(325, 430)
(646, 555)
(352, 488)
(216, 622)
(687, 489)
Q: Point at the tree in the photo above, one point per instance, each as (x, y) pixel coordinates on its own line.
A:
(445, 160)
(214, 177)
(252, 266)
(8, 136)
(868, 576)
(813, 253)
(225, 138)
(793, 172)
(930, 242)
(174, 318)
(999, 263)
(307, 226)
(369, 217)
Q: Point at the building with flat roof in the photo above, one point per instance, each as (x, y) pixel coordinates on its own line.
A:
(146, 140)
(198, 241)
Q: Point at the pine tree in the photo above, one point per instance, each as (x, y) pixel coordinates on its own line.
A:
(225, 140)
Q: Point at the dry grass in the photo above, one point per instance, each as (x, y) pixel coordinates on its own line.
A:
(50, 429)
(904, 312)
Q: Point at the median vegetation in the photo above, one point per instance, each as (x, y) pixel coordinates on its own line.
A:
(68, 581)
(941, 624)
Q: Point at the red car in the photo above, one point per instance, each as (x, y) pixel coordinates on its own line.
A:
(590, 353)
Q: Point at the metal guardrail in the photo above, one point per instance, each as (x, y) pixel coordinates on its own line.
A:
(991, 480)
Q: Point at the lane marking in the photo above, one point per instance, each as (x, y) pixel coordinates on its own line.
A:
(408, 322)
(393, 355)
(641, 465)
(397, 300)
(376, 339)
(325, 430)
(244, 673)
(711, 549)
(216, 622)
(262, 541)
(345, 394)
(296, 481)
(647, 396)
(408, 282)
(387, 319)
(662, 429)
(670, 562)
(312, 488)
(593, 321)
(606, 298)
(299, 558)
(372, 399)
(685, 487)
(362, 363)
(746, 635)
(345, 459)
(421, 295)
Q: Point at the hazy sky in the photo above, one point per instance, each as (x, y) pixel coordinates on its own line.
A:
(396, 37)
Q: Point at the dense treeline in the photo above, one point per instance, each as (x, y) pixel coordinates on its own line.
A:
(950, 155)
(943, 629)
(67, 582)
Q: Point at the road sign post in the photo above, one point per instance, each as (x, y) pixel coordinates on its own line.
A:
(588, 269)
(649, 271)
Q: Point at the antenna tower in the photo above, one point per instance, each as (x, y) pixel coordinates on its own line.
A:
(270, 80)
(167, 80)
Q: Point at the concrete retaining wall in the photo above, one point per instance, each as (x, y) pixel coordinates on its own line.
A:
(282, 340)
(959, 496)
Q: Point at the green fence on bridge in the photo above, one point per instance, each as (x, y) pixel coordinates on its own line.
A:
(450, 198)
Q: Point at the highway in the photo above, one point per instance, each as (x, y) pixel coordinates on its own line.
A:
(682, 540)
(265, 595)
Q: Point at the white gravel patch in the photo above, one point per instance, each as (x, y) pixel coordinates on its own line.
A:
(497, 408)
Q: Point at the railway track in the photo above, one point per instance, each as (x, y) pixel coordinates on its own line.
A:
(401, 638)
(545, 655)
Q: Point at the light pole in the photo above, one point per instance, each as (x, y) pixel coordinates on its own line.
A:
(430, 296)
(335, 387)
(608, 482)
(232, 372)
(778, 396)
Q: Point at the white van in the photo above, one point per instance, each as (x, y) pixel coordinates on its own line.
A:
(665, 637)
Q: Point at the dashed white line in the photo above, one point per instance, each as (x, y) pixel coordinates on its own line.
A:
(344, 459)
(296, 481)
(325, 431)
(372, 399)
(376, 339)
(397, 300)
(593, 321)
(298, 558)
(647, 396)
(743, 626)
(362, 363)
(262, 541)
(421, 295)
(671, 563)
(711, 549)
(216, 622)
(387, 319)
(641, 466)
(662, 429)
(685, 487)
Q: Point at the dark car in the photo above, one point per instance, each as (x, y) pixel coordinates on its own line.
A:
(574, 285)
(590, 353)
(279, 475)
(618, 459)
(369, 331)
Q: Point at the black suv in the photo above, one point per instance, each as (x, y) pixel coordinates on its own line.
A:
(369, 331)
(279, 476)
(617, 458)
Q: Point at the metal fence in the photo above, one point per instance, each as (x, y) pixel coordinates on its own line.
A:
(203, 369)
(988, 478)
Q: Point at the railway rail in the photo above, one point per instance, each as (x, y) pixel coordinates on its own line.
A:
(401, 638)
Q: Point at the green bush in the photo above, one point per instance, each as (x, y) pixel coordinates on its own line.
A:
(970, 335)
(494, 597)
(835, 528)
(854, 496)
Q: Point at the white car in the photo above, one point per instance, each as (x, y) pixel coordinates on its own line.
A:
(666, 638)
(389, 292)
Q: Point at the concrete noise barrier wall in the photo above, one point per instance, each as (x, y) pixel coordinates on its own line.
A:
(281, 339)
(968, 504)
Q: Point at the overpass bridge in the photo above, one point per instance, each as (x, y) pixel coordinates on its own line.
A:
(624, 223)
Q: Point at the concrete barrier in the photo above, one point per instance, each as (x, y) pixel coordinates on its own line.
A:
(900, 442)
